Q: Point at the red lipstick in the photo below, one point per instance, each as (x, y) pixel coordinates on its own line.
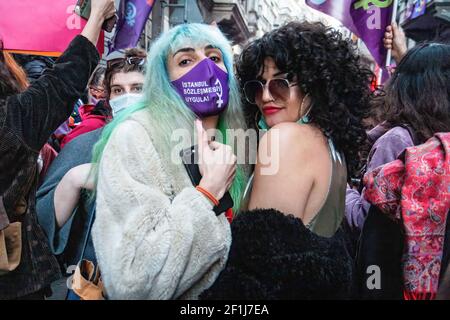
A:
(269, 110)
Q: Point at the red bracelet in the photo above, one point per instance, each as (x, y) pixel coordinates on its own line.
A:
(208, 195)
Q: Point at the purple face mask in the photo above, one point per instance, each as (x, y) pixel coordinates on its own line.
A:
(204, 89)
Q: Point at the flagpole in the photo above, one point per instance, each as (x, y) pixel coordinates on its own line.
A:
(393, 19)
(380, 77)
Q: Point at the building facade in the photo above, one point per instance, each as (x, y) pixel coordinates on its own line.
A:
(239, 20)
(425, 20)
(244, 20)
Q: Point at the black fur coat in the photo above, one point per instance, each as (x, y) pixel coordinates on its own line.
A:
(274, 256)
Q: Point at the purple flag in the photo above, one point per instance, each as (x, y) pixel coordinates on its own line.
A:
(367, 19)
(420, 8)
(337, 9)
(133, 15)
(409, 11)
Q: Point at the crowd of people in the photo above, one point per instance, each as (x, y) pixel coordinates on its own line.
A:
(345, 177)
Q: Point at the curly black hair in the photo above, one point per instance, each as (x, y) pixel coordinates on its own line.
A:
(326, 66)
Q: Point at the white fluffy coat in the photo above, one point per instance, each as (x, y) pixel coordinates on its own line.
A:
(155, 235)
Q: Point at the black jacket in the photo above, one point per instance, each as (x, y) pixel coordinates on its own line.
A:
(274, 256)
(26, 122)
(382, 244)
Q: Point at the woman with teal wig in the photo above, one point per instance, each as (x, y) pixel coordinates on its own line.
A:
(156, 235)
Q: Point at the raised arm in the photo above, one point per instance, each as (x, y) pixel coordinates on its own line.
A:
(101, 10)
(394, 39)
(50, 99)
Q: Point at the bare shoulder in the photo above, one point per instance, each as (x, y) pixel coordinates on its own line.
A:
(290, 159)
(292, 138)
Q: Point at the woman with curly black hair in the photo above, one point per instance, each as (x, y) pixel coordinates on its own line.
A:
(305, 84)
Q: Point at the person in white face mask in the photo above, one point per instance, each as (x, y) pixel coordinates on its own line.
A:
(63, 205)
(124, 80)
(121, 87)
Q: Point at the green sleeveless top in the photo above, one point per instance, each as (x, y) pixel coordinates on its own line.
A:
(329, 218)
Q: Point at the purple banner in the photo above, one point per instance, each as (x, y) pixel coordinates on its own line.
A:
(337, 9)
(367, 19)
(420, 8)
(133, 15)
(371, 22)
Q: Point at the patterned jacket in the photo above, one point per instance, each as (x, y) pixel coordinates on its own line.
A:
(414, 190)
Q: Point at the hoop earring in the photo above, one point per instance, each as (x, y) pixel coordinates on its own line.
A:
(305, 117)
(260, 123)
